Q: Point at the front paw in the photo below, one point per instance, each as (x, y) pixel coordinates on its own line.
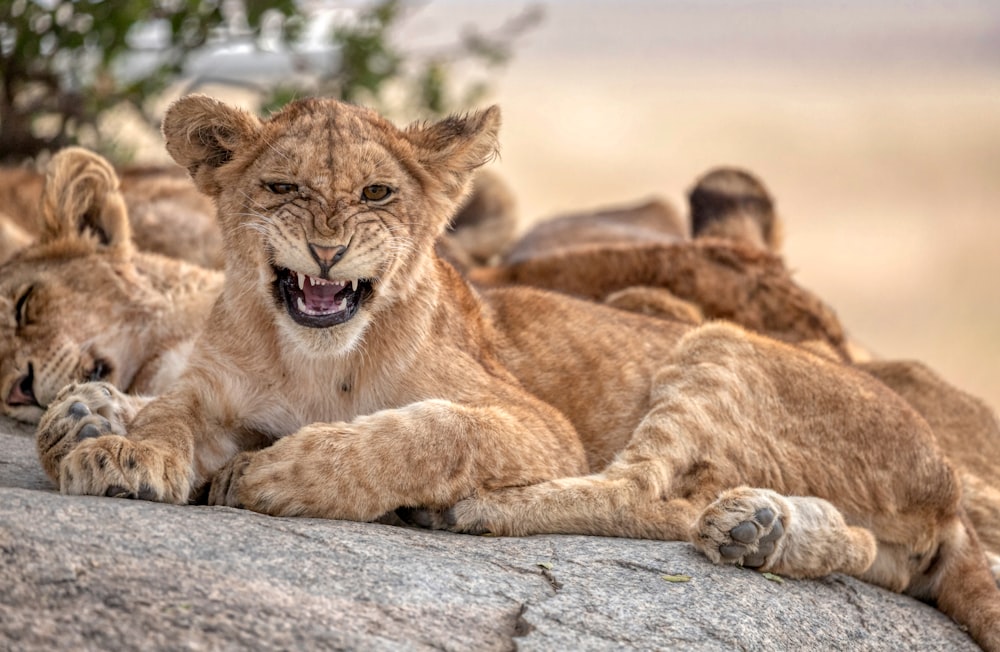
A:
(226, 483)
(79, 412)
(111, 465)
(470, 516)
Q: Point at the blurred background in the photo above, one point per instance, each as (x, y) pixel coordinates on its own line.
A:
(875, 124)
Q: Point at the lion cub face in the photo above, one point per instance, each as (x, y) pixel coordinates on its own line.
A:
(329, 212)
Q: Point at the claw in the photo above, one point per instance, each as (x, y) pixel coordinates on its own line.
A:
(147, 493)
(115, 491)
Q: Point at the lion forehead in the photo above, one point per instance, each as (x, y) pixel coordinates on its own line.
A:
(330, 162)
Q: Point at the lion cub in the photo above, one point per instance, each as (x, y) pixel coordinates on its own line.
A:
(346, 372)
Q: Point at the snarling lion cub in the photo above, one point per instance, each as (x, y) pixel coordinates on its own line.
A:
(346, 372)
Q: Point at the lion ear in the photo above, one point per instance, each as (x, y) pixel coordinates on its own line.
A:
(202, 134)
(81, 200)
(453, 148)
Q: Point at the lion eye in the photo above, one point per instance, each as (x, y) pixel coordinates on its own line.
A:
(20, 308)
(281, 188)
(375, 192)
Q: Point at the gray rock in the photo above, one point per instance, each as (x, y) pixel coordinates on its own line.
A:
(87, 573)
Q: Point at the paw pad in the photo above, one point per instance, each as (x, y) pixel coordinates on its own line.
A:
(89, 431)
(78, 410)
(751, 534)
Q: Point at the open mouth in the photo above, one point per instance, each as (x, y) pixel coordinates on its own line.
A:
(317, 302)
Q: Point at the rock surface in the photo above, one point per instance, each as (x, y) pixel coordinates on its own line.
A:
(106, 574)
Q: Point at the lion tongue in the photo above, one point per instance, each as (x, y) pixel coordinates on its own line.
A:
(319, 296)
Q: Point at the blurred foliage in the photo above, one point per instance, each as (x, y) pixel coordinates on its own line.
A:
(64, 63)
(370, 62)
(61, 61)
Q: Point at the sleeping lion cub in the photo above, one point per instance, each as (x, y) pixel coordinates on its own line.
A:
(346, 372)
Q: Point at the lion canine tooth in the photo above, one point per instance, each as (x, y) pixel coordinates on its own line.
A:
(301, 279)
(354, 285)
(301, 305)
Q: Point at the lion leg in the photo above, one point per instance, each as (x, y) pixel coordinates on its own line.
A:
(363, 469)
(622, 501)
(955, 576)
(756, 528)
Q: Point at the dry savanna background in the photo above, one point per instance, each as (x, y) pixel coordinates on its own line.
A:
(875, 124)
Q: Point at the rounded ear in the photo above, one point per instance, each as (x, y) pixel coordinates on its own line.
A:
(81, 201)
(453, 148)
(201, 134)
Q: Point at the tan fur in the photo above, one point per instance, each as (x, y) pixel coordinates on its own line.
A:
(650, 221)
(95, 307)
(640, 258)
(725, 280)
(966, 429)
(515, 411)
(167, 214)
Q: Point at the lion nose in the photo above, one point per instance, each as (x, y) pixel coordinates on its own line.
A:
(327, 257)
(23, 392)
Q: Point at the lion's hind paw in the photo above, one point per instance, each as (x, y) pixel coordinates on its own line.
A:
(743, 526)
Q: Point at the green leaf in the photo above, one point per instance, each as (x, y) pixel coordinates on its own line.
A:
(676, 578)
(774, 578)
(544, 564)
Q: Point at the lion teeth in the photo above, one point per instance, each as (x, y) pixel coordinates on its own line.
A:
(354, 285)
(301, 279)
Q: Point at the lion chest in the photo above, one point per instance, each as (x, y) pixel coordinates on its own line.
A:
(326, 396)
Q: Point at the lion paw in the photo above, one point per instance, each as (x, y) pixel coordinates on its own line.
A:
(472, 515)
(225, 486)
(743, 527)
(111, 465)
(79, 412)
